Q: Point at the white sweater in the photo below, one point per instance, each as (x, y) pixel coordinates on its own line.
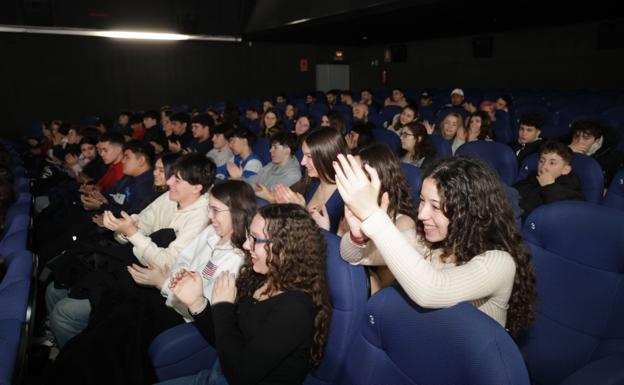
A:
(161, 214)
(209, 260)
(486, 280)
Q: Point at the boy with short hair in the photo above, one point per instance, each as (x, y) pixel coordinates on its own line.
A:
(529, 140)
(553, 181)
(246, 163)
(201, 125)
(221, 152)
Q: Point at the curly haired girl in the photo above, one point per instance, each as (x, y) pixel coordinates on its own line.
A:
(467, 247)
(270, 325)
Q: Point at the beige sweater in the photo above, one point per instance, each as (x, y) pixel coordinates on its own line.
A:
(486, 280)
(164, 213)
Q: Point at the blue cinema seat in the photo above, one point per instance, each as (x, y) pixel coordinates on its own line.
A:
(497, 155)
(577, 336)
(402, 343)
(615, 195)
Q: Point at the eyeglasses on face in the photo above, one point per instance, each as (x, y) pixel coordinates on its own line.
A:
(253, 241)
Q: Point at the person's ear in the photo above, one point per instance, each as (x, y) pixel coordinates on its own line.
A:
(539, 132)
(197, 188)
(566, 169)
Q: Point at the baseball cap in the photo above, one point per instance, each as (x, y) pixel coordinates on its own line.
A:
(457, 91)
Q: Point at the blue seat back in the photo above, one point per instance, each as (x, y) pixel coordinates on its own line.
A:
(402, 343)
(414, 179)
(389, 138)
(262, 148)
(497, 155)
(388, 112)
(578, 255)
(348, 287)
(442, 146)
(503, 133)
(615, 195)
(585, 167)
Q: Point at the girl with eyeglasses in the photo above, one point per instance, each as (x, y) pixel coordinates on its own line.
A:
(114, 350)
(270, 325)
(419, 150)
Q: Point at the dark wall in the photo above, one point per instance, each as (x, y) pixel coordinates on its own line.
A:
(548, 58)
(56, 77)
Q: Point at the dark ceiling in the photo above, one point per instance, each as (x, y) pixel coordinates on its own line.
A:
(345, 22)
(400, 21)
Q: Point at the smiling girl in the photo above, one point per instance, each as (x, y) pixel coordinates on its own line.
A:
(467, 247)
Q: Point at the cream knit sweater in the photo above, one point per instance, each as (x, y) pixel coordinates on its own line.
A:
(486, 280)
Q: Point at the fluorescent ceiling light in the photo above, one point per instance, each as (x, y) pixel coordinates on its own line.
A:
(113, 34)
(298, 21)
(142, 35)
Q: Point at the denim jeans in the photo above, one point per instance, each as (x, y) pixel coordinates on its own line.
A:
(68, 316)
(212, 376)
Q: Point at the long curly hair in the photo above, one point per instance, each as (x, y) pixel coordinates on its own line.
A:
(388, 167)
(240, 198)
(481, 219)
(296, 261)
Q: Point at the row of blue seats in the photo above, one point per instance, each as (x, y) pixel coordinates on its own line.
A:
(576, 337)
(503, 160)
(17, 287)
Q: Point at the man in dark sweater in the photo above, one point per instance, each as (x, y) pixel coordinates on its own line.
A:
(182, 137)
(529, 140)
(201, 125)
(553, 181)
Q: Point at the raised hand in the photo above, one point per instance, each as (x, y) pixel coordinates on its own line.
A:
(358, 191)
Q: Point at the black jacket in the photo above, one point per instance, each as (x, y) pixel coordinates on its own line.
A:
(532, 195)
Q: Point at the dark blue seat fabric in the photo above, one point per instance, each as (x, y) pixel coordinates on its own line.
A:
(402, 343)
(497, 155)
(414, 179)
(389, 138)
(376, 120)
(388, 112)
(262, 148)
(348, 287)
(554, 131)
(426, 113)
(10, 330)
(442, 146)
(15, 286)
(21, 185)
(578, 331)
(182, 351)
(615, 195)
(585, 167)
(503, 133)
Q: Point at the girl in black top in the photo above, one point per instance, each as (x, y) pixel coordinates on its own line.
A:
(270, 325)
